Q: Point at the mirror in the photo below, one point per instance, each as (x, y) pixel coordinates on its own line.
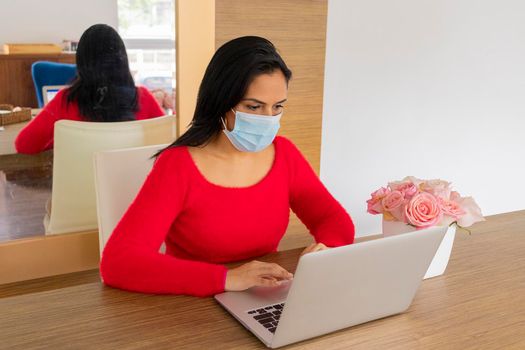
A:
(148, 30)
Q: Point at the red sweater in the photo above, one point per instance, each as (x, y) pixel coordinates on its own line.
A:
(205, 225)
(37, 136)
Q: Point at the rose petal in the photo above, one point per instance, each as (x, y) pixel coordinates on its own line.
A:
(472, 212)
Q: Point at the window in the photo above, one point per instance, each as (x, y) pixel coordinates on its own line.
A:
(148, 30)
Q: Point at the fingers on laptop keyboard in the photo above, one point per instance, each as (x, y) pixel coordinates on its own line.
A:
(274, 270)
(270, 274)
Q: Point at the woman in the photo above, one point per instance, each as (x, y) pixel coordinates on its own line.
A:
(223, 191)
(103, 91)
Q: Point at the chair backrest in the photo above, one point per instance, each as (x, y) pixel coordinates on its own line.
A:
(51, 73)
(73, 201)
(119, 175)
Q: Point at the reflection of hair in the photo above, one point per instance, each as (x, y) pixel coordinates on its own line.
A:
(231, 70)
(103, 89)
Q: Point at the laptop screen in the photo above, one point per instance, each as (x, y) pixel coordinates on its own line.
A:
(49, 92)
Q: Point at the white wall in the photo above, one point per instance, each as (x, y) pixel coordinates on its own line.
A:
(434, 89)
(51, 21)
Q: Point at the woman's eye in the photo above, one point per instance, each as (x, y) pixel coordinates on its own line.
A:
(253, 108)
(279, 107)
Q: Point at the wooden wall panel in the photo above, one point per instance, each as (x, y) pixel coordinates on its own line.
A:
(16, 82)
(195, 22)
(298, 30)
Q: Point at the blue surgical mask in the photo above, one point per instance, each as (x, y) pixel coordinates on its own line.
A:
(252, 132)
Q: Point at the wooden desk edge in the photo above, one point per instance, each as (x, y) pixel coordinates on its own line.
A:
(22, 260)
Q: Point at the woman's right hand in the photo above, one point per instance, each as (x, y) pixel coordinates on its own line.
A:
(255, 273)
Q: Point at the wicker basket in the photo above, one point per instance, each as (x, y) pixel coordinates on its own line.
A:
(14, 117)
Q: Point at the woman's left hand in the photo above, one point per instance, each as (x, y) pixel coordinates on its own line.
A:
(314, 247)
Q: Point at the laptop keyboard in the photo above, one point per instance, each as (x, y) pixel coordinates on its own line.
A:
(268, 316)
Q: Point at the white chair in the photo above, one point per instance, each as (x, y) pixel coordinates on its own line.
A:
(73, 202)
(119, 175)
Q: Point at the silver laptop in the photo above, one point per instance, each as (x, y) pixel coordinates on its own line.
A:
(50, 91)
(338, 288)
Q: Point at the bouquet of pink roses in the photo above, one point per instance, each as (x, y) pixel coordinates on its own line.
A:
(424, 203)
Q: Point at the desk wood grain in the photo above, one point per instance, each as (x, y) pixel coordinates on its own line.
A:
(478, 304)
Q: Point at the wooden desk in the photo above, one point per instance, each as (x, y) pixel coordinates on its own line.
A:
(8, 136)
(478, 304)
(9, 132)
(13, 164)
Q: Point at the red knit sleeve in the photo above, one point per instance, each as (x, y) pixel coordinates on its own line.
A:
(149, 106)
(322, 214)
(131, 258)
(37, 136)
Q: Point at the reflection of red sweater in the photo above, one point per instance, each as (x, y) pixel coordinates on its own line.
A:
(37, 136)
(205, 225)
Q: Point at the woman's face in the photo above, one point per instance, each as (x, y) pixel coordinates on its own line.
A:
(265, 96)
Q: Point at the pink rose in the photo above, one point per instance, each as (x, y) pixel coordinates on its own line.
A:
(374, 205)
(451, 211)
(414, 180)
(407, 188)
(472, 212)
(393, 203)
(451, 208)
(423, 210)
(454, 196)
(438, 188)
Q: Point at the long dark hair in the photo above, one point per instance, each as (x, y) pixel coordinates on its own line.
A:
(103, 89)
(231, 70)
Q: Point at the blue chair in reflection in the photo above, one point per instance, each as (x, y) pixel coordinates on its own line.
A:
(49, 74)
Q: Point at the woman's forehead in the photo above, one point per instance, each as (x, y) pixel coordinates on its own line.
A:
(268, 88)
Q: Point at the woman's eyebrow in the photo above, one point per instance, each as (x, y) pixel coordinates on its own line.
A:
(261, 102)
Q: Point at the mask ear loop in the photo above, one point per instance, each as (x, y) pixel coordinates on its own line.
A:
(224, 124)
(224, 121)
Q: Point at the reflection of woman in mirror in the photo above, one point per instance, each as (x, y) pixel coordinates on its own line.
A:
(103, 91)
(222, 192)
